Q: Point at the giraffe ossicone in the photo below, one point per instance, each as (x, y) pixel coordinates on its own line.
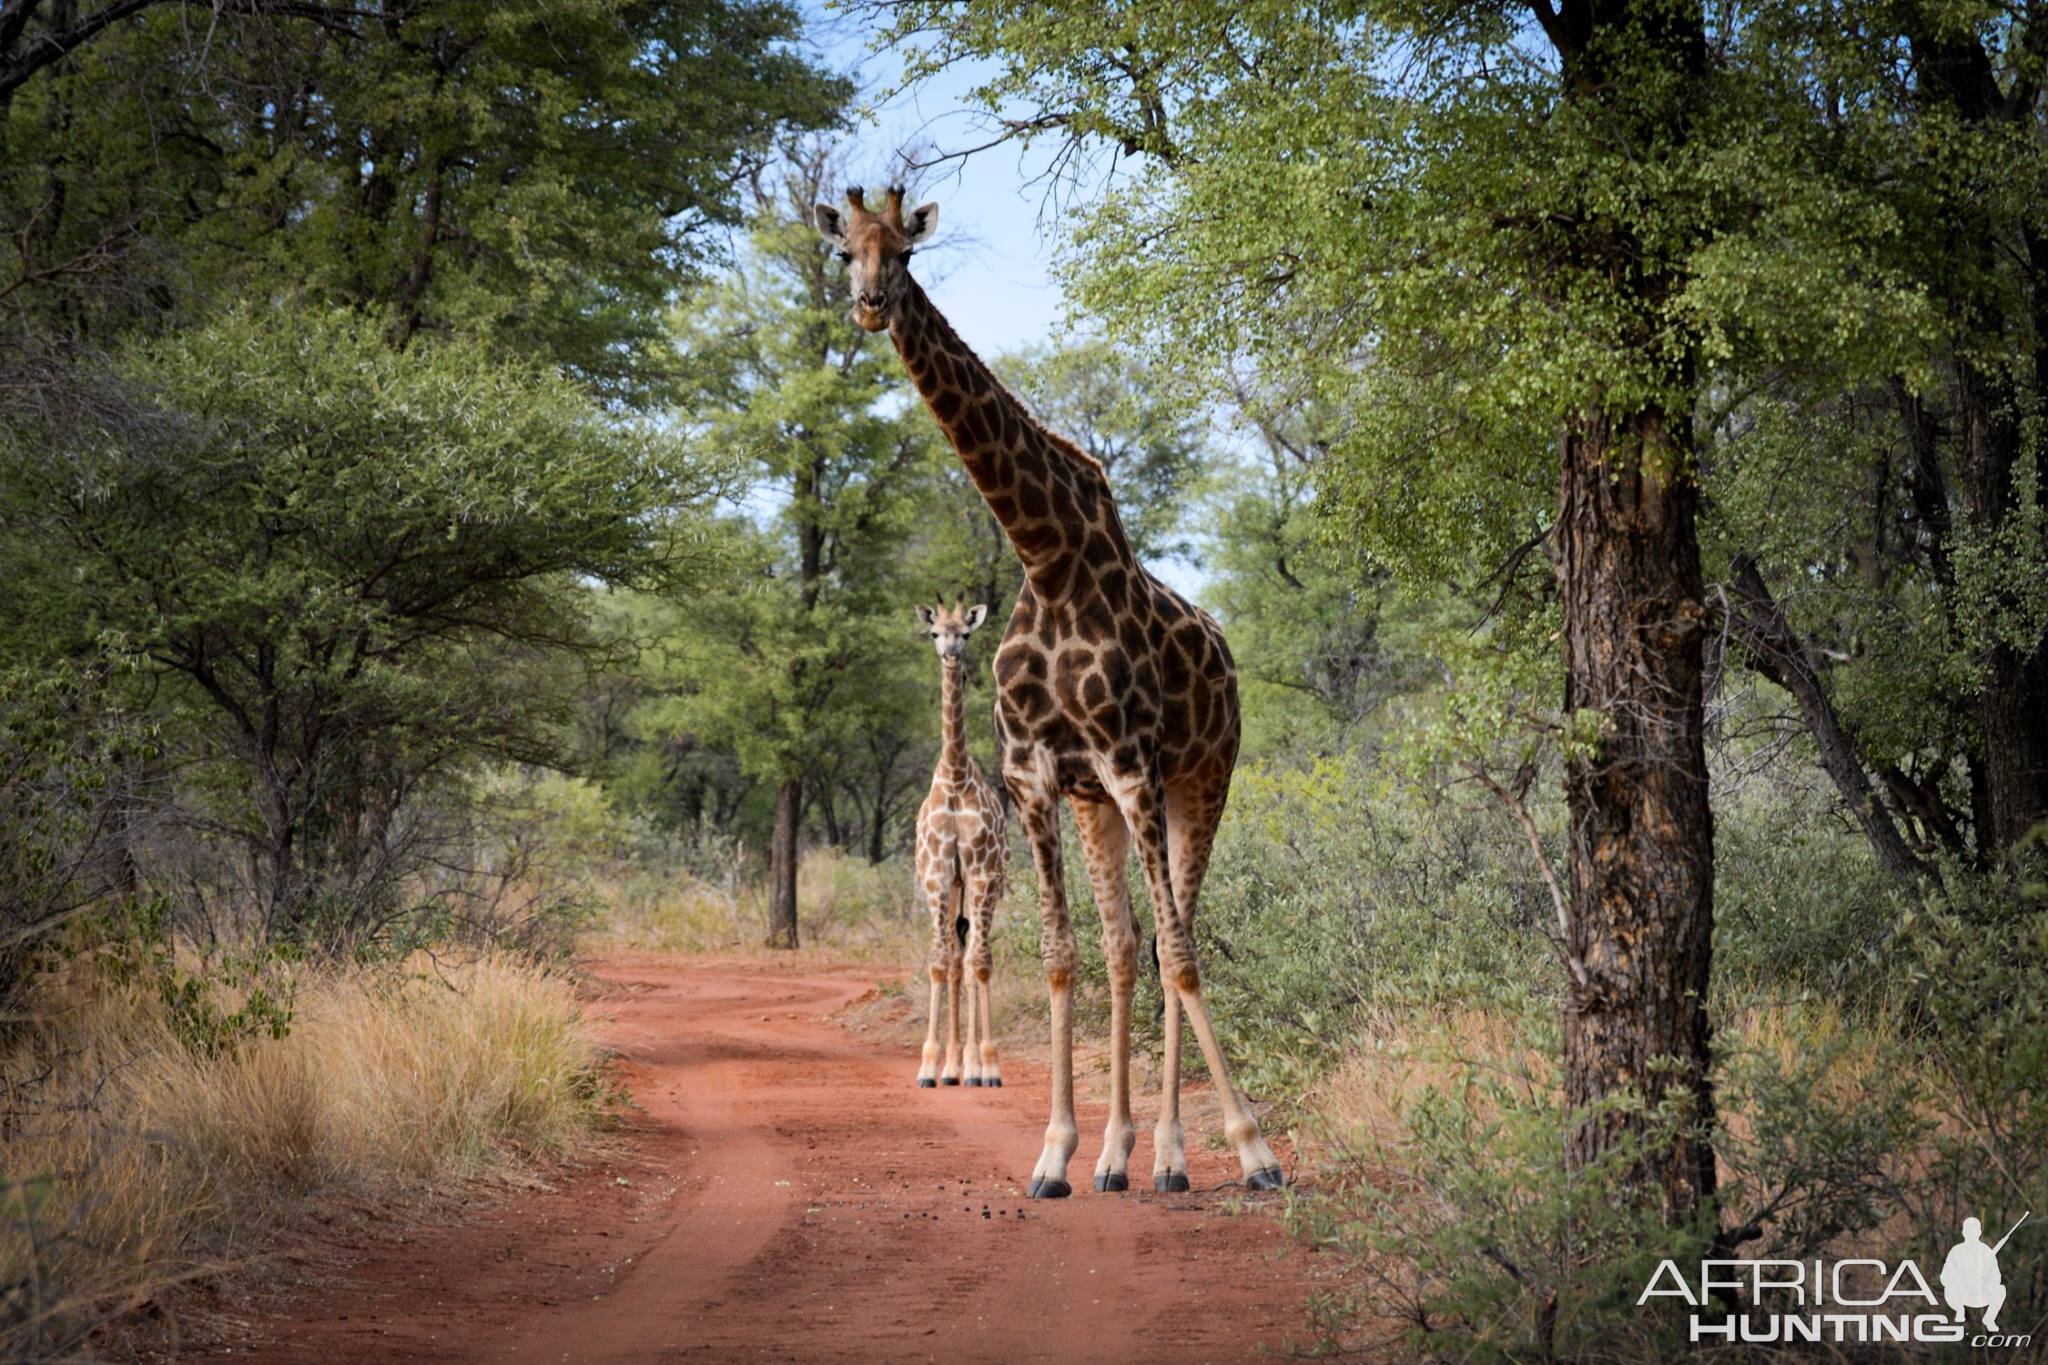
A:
(963, 851)
(1112, 693)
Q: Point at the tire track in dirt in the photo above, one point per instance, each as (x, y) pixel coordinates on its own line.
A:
(786, 1194)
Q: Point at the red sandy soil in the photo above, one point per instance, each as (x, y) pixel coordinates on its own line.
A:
(783, 1192)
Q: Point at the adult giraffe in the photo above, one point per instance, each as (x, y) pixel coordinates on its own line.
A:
(1111, 691)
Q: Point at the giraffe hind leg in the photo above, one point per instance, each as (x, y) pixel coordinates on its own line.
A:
(980, 973)
(1196, 815)
(970, 994)
(950, 1075)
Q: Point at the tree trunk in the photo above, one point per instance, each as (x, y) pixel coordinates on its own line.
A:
(2013, 708)
(1780, 655)
(1640, 939)
(2009, 789)
(878, 822)
(782, 865)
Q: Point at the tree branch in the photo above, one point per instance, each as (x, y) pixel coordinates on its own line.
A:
(1778, 654)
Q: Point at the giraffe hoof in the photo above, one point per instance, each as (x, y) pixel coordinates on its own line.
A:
(994, 1082)
(950, 1080)
(926, 1083)
(1172, 1182)
(1112, 1181)
(1042, 1188)
(973, 1081)
(1270, 1178)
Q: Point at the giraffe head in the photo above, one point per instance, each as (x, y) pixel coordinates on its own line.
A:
(949, 627)
(876, 248)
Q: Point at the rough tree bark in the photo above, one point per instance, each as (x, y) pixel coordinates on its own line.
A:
(1642, 837)
(1987, 286)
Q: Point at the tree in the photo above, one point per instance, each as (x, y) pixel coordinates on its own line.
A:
(544, 176)
(799, 666)
(348, 569)
(1306, 622)
(1897, 503)
(1509, 247)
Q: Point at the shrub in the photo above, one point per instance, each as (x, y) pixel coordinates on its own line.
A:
(1332, 887)
(1882, 1074)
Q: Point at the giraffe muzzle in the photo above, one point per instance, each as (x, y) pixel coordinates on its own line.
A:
(870, 311)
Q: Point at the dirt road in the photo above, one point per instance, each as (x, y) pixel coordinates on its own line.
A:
(785, 1193)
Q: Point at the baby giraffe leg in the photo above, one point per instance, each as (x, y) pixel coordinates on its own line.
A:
(970, 988)
(935, 967)
(980, 970)
(1105, 841)
(951, 1074)
(991, 1064)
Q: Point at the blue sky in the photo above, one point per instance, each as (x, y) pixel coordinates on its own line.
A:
(990, 266)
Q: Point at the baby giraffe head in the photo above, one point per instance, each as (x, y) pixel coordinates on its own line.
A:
(876, 248)
(949, 627)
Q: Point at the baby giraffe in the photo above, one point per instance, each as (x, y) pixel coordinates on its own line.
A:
(961, 850)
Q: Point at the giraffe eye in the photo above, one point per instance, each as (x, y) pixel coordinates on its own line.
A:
(846, 256)
(905, 257)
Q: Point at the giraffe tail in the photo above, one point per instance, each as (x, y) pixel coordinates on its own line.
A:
(960, 925)
(1151, 961)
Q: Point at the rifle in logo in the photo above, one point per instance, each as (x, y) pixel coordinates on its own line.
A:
(1969, 1277)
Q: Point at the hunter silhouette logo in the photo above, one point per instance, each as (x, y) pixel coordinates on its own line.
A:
(1969, 1277)
(1858, 1300)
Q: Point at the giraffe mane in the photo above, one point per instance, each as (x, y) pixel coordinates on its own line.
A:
(1031, 420)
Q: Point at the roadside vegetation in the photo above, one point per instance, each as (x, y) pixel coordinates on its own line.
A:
(449, 523)
(169, 1121)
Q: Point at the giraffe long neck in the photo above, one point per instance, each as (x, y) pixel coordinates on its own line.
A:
(952, 723)
(1051, 500)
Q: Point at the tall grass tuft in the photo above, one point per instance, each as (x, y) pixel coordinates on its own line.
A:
(135, 1156)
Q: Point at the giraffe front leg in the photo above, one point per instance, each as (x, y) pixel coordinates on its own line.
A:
(1056, 945)
(1119, 1135)
(935, 968)
(1105, 840)
(928, 1068)
(970, 1001)
(981, 1014)
(991, 1064)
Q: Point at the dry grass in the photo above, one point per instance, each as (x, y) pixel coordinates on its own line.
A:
(1411, 1053)
(846, 907)
(133, 1159)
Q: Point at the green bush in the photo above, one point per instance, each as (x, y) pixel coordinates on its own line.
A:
(1332, 886)
(1882, 1073)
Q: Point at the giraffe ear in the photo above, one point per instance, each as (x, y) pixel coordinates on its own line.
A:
(976, 614)
(926, 616)
(830, 225)
(919, 224)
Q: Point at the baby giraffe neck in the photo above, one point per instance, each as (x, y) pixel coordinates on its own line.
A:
(952, 723)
